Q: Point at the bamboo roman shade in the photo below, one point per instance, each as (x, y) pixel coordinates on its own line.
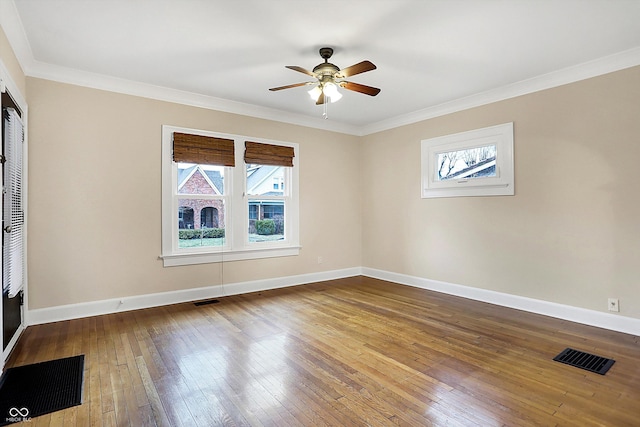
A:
(268, 154)
(205, 150)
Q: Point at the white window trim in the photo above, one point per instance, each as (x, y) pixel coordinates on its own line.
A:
(237, 246)
(501, 185)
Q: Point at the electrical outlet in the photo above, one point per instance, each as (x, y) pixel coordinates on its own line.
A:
(614, 304)
(320, 260)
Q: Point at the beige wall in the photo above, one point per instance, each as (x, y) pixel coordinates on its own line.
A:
(570, 235)
(11, 63)
(94, 196)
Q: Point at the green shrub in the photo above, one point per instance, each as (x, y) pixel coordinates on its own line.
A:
(203, 233)
(265, 227)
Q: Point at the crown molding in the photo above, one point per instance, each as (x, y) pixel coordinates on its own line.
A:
(113, 84)
(608, 64)
(12, 25)
(14, 30)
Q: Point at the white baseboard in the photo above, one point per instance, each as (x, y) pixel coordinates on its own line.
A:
(96, 308)
(599, 319)
(574, 314)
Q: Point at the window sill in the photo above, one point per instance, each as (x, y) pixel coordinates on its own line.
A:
(473, 190)
(174, 260)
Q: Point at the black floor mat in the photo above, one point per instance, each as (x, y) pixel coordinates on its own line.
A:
(590, 362)
(33, 390)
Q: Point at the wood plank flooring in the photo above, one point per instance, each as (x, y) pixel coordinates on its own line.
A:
(349, 352)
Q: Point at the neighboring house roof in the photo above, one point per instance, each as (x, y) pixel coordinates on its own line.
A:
(255, 177)
(481, 169)
(184, 175)
(216, 179)
(260, 174)
(213, 177)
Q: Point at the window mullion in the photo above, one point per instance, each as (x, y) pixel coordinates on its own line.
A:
(237, 198)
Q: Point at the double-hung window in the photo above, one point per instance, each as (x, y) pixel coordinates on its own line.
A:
(227, 197)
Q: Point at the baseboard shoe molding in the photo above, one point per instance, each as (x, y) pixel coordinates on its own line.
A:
(116, 305)
(598, 319)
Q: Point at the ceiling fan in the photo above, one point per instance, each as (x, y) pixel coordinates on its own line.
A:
(330, 77)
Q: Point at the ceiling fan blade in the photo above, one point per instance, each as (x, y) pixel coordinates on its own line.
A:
(358, 68)
(367, 90)
(321, 99)
(300, 70)
(290, 86)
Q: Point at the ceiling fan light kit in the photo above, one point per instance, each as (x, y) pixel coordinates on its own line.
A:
(331, 90)
(329, 77)
(315, 93)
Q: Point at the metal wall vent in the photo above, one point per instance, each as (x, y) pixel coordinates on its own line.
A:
(590, 362)
(207, 302)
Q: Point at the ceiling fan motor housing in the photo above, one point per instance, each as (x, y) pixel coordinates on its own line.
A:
(326, 68)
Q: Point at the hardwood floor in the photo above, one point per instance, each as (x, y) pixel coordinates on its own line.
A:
(348, 352)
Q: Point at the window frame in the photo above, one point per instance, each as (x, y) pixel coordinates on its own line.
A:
(237, 245)
(500, 185)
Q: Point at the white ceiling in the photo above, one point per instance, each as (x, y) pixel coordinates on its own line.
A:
(433, 56)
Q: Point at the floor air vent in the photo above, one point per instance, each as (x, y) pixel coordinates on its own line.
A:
(586, 361)
(207, 302)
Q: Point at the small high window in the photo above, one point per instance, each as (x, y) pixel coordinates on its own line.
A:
(474, 163)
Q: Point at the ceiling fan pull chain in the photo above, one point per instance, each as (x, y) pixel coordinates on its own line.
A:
(325, 107)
